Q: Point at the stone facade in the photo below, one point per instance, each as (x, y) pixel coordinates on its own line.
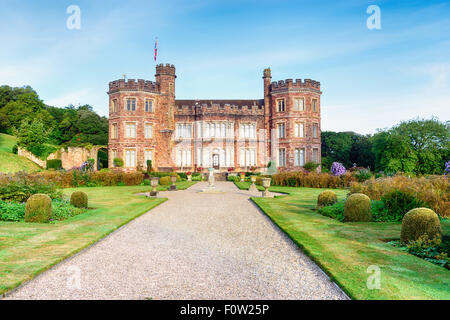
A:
(147, 123)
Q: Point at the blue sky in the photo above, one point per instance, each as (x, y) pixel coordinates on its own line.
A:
(370, 78)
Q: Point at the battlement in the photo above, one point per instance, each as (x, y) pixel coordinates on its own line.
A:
(289, 83)
(167, 69)
(133, 84)
(226, 107)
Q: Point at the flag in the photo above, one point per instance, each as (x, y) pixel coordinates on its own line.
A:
(156, 48)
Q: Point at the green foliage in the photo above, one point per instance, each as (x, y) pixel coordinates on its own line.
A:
(62, 210)
(357, 208)
(363, 175)
(435, 250)
(79, 199)
(165, 181)
(233, 178)
(12, 211)
(335, 211)
(118, 162)
(19, 189)
(310, 166)
(38, 208)
(149, 165)
(326, 198)
(418, 222)
(398, 203)
(196, 178)
(54, 164)
(15, 149)
(33, 136)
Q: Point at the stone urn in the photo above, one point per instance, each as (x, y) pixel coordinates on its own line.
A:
(242, 177)
(189, 177)
(253, 186)
(173, 179)
(154, 181)
(266, 185)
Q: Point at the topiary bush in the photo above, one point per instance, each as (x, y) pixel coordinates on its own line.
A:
(79, 199)
(418, 222)
(118, 162)
(38, 208)
(54, 164)
(165, 181)
(326, 198)
(357, 208)
(398, 203)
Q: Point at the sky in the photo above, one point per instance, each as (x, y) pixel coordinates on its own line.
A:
(370, 78)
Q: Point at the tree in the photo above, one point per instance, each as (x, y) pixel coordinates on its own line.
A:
(336, 147)
(32, 136)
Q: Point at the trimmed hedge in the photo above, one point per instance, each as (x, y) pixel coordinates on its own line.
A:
(326, 198)
(38, 208)
(357, 208)
(419, 222)
(54, 164)
(79, 199)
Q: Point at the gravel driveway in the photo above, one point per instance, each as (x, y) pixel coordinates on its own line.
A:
(194, 246)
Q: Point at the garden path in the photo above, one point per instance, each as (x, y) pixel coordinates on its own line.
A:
(194, 246)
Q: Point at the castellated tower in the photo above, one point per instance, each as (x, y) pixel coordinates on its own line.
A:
(148, 124)
(295, 122)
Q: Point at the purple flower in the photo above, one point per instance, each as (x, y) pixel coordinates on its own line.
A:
(447, 168)
(337, 169)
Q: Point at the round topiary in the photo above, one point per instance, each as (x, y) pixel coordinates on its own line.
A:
(418, 222)
(357, 208)
(79, 199)
(38, 208)
(165, 181)
(326, 198)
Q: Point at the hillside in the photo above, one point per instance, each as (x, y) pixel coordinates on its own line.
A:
(10, 162)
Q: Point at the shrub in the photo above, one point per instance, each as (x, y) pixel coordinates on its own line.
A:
(337, 169)
(12, 211)
(197, 178)
(149, 165)
(15, 149)
(312, 180)
(418, 222)
(62, 209)
(233, 178)
(326, 198)
(54, 164)
(335, 211)
(165, 181)
(310, 166)
(432, 190)
(357, 208)
(182, 175)
(38, 208)
(118, 162)
(20, 187)
(363, 175)
(79, 199)
(398, 203)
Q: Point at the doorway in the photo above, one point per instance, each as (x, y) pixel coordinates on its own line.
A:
(215, 161)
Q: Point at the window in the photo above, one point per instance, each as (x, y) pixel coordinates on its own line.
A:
(148, 131)
(130, 158)
(247, 130)
(282, 157)
(184, 130)
(131, 104)
(281, 130)
(299, 157)
(114, 131)
(280, 105)
(130, 130)
(315, 132)
(148, 105)
(184, 158)
(247, 157)
(148, 156)
(114, 156)
(299, 104)
(299, 130)
(314, 105)
(114, 106)
(170, 88)
(316, 155)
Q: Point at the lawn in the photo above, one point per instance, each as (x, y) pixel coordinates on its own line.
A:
(27, 249)
(10, 162)
(346, 250)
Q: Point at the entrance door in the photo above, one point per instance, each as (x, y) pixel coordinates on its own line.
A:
(215, 160)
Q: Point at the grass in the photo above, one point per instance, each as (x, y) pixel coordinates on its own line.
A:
(346, 250)
(27, 249)
(10, 162)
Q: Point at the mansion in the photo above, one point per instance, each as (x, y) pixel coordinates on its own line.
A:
(146, 122)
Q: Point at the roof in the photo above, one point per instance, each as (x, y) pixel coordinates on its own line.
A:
(221, 103)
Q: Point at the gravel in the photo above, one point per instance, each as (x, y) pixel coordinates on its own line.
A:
(194, 246)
